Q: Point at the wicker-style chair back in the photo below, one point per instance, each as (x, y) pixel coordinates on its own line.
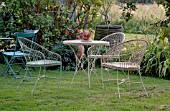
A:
(38, 56)
(37, 52)
(131, 55)
(95, 52)
(113, 39)
(131, 51)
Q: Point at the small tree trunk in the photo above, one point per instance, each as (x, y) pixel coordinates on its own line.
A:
(85, 22)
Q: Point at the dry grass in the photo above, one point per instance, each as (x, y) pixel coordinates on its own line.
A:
(144, 11)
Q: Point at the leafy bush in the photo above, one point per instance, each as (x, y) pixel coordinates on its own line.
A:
(157, 58)
(50, 17)
(66, 54)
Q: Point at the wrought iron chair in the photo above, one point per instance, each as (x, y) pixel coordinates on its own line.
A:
(131, 54)
(16, 56)
(95, 52)
(38, 56)
(35, 37)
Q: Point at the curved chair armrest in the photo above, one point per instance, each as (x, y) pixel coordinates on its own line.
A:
(33, 55)
(52, 56)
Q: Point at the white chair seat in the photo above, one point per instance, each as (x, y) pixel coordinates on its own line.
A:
(103, 56)
(122, 65)
(44, 62)
(95, 56)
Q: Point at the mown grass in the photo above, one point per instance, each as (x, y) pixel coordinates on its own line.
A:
(79, 97)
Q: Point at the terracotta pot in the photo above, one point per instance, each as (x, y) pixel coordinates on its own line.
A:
(80, 51)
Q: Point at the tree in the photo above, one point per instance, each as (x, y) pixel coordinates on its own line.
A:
(105, 9)
(83, 11)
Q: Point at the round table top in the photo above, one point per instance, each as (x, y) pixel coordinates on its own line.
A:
(85, 42)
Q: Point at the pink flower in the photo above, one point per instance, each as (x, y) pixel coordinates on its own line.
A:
(66, 32)
(86, 35)
(78, 31)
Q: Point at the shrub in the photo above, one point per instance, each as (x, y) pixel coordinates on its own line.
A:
(50, 17)
(157, 58)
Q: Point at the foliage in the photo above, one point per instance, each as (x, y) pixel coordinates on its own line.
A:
(68, 60)
(127, 10)
(105, 9)
(142, 21)
(84, 11)
(166, 5)
(157, 58)
(156, 61)
(50, 17)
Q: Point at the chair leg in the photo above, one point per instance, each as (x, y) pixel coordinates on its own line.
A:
(142, 83)
(43, 76)
(23, 78)
(128, 77)
(102, 68)
(8, 66)
(89, 72)
(37, 80)
(91, 67)
(118, 84)
(74, 76)
(59, 77)
(10, 63)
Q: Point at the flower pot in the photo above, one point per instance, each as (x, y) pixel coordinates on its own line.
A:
(80, 51)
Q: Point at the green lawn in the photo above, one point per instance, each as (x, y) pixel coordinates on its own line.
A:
(79, 97)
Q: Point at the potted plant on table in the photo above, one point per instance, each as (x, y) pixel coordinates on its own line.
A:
(82, 35)
(86, 35)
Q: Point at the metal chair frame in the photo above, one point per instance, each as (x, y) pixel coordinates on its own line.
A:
(95, 52)
(38, 56)
(131, 54)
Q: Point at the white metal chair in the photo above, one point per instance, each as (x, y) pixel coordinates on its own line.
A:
(95, 52)
(131, 54)
(38, 56)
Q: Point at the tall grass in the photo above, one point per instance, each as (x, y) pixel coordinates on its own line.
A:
(143, 17)
(149, 12)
